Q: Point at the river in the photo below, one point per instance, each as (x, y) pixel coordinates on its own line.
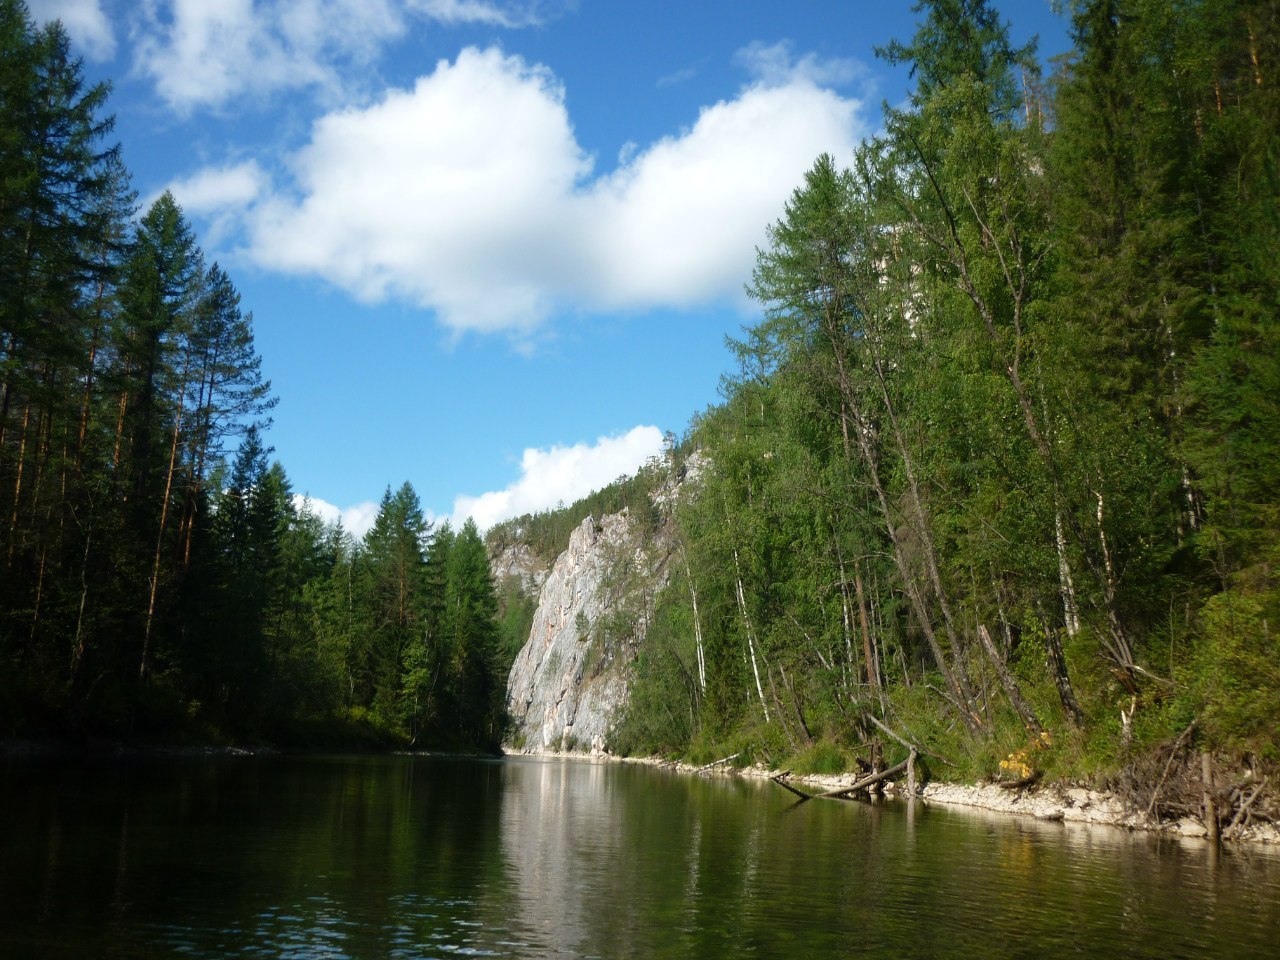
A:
(415, 857)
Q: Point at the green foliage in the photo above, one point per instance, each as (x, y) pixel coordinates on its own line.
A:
(748, 745)
(1016, 371)
(824, 756)
(1015, 380)
(148, 588)
(547, 533)
(1236, 674)
(661, 715)
(515, 619)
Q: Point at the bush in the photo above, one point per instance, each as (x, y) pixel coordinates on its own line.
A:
(823, 756)
(1237, 673)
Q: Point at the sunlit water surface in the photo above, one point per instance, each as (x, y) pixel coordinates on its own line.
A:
(401, 857)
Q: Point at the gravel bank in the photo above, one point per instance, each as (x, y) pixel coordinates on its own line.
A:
(1047, 803)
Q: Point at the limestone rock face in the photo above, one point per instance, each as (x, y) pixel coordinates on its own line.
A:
(570, 679)
(519, 562)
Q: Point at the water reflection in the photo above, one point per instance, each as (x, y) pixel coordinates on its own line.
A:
(416, 857)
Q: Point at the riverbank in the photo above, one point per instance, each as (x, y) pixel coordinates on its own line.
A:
(1081, 805)
(1051, 803)
(1047, 803)
(1044, 802)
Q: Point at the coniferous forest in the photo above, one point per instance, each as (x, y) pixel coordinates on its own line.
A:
(1002, 455)
(999, 466)
(157, 576)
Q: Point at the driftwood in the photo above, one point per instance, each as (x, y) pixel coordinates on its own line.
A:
(781, 780)
(866, 781)
(1173, 753)
(913, 752)
(862, 784)
(1243, 812)
(716, 763)
(909, 765)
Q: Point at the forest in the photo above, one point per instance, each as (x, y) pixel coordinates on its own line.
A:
(1000, 464)
(159, 581)
(997, 467)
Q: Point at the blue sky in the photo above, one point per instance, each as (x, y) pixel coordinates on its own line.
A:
(492, 247)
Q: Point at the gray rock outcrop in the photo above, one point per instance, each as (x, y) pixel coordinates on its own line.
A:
(518, 562)
(570, 679)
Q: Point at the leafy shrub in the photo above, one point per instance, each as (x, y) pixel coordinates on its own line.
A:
(1237, 672)
(823, 756)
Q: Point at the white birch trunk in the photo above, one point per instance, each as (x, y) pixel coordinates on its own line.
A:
(697, 625)
(751, 644)
(1070, 612)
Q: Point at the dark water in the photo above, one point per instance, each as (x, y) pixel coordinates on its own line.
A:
(419, 857)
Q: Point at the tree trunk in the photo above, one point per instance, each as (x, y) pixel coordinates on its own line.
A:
(697, 624)
(1010, 685)
(17, 483)
(78, 642)
(1070, 614)
(959, 692)
(751, 645)
(873, 674)
(1061, 679)
(115, 450)
(1210, 806)
(1017, 275)
(930, 550)
(144, 663)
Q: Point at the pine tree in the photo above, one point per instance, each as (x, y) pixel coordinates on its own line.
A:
(58, 221)
(392, 571)
(470, 635)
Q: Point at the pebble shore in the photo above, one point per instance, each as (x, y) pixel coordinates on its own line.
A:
(1046, 803)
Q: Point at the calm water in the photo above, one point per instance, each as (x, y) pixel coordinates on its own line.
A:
(417, 857)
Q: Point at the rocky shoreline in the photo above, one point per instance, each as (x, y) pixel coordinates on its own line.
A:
(1081, 805)
(1049, 803)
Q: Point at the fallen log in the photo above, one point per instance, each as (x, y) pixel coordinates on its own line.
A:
(842, 792)
(911, 756)
(716, 763)
(865, 781)
(781, 781)
(1243, 812)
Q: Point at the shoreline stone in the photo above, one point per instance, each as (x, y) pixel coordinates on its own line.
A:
(1051, 803)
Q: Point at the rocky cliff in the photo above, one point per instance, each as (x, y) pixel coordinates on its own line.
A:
(519, 564)
(594, 602)
(569, 681)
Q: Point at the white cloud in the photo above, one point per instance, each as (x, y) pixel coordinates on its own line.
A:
(680, 223)
(774, 65)
(676, 77)
(561, 474)
(355, 520)
(85, 23)
(550, 477)
(470, 195)
(215, 189)
(220, 196)
(201, 53)
(479, 11)
(450, 195)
